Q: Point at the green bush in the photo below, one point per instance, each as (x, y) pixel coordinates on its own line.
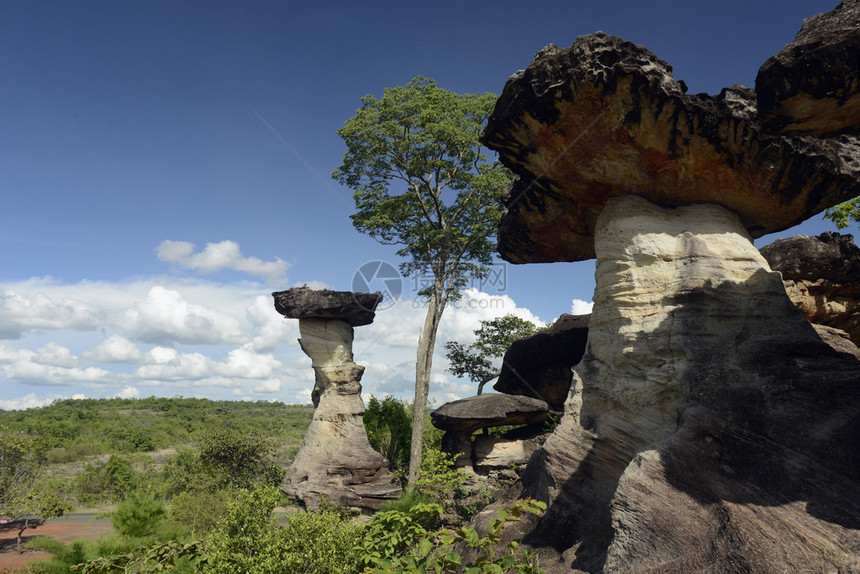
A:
(138, 516)
(108, 481)
(389, 429)
(249, 539)
(392, 532)
(199, 511)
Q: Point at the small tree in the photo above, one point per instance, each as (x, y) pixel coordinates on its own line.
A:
(25, 502)
(422, 181)
(239, 458)
(389, 429)
(477, 360)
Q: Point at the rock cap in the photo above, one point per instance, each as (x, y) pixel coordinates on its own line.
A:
(489, 410)
(305, 303)
(605, 118)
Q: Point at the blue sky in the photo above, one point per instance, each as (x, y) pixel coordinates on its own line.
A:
(165, 165)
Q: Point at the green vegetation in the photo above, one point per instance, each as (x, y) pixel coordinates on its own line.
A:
(389, 429)
(844, 213)
(208, 504)
(492, 340)
(422, 181)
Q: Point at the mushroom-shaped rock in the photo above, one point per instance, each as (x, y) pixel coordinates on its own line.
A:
(335, 462)
(462, 417)
(305, 303)
(605, 118)
(822, 277)
(491, 410)
(539, 366)
(708, 426)
(812, 86)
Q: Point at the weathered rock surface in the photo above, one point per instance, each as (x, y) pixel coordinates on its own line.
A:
(539, 366)
(495, 453)
(482, 411)
(605, 117)
(812, 86)
(305, 303)
(335, 462)
(708, 427)
(822, 277)
(706, 417)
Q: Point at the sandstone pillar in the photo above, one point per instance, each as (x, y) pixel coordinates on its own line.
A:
(335, 463)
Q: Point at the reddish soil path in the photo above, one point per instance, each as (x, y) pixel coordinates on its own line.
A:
(66, 529)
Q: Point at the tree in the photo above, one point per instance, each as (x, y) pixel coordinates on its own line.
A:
(239, 458)
(844, 213)
(25, 502)
(421, 181)
(493, 338)
(388, 429)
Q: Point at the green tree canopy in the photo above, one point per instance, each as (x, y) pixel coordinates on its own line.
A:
(844, 213)
(477, 360)
(422, 181)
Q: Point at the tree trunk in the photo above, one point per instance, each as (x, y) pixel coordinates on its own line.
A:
(426, 344)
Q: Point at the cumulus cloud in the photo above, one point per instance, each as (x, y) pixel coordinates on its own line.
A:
(272, 328)
(32, 401)
(39, 368)
(165, 317)
(219, 256)
(580, 307)
(128, 392)
(20, 313)
(115, 349)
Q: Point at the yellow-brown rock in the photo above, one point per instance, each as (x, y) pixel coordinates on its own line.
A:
(606, 117)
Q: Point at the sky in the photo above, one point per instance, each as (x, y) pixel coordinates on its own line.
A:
(165, 166)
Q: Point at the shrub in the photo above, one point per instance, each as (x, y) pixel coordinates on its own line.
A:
(139, 515)
(249, 540)
(389, 429)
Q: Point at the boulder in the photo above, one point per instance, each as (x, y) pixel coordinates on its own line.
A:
(812, 87)
(539, 366)
(822, 277)
(335, 463)
(708, 427)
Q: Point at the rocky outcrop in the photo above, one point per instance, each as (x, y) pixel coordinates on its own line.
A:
(812, 87)
(708, 427)
(605, 118)
(822, 277)
(539, 366)
(463, 417)
(335, 462)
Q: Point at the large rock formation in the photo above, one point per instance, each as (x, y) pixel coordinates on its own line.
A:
(539, 366)
(335, 462)
(822, 277)
(708, 427)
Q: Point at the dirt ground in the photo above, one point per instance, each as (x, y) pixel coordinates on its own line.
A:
(73, 527)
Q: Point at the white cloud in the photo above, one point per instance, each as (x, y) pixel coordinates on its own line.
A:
(115, 349)
(35, 368)
(219, 256)
(272, 328)
(164, 317)
(20, 313)
(31, 401)
(580, 307)
(128, 392)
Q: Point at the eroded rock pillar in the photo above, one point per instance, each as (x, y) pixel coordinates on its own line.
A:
(336, 462)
